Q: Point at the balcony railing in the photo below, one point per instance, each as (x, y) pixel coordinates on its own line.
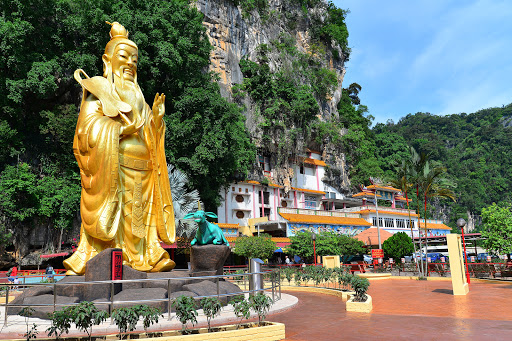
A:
(318, 212)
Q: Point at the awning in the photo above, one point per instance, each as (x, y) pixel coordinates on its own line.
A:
(53, 255)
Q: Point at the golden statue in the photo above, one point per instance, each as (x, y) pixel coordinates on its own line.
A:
(119, 145)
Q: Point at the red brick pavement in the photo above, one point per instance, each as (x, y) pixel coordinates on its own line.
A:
(405, 309)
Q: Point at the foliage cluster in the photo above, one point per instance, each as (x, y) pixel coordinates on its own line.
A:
(206, 136)
(398, 246)
(341, 275)
(85, 315)
(261, 246)
(327, 243)
(497, 228)
(474, 147)
(328, 29)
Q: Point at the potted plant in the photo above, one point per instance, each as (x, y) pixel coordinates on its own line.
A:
(360, 301)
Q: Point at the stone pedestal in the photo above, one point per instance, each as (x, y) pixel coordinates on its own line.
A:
(99, 268)
(205, 259)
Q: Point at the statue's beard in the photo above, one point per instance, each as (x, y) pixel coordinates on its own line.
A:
(129, 92)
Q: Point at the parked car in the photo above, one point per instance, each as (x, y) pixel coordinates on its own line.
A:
(482, 256)
(434, 256)
(368, 259)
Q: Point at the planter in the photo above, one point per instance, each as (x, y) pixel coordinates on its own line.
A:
(360, 307)
(345, 295)
(248, 331)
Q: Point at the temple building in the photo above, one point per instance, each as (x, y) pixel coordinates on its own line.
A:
(253, 207)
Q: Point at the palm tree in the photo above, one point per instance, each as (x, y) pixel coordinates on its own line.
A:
(184, 201)
(417, 165)
(402, 182)
(434, 184)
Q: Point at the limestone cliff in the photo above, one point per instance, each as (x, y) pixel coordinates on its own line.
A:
(236, 33)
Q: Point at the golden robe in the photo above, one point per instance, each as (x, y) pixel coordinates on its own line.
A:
(126, 197)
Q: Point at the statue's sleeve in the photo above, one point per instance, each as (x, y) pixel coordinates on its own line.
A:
(96, 148)
(166, 226)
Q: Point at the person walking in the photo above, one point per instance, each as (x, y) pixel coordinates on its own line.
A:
(287, 261)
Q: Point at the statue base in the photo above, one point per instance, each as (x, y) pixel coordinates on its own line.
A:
(99, 269)
(208, 260)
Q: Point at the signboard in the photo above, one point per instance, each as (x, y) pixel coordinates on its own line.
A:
(429, 259)
(403, 260)
(489, 259)
(380, 260)
(472, 259)
(443, 260)
(378, 253)
(117, 265)
(391, 261)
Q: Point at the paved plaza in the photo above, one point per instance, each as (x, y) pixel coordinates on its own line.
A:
(403, 309)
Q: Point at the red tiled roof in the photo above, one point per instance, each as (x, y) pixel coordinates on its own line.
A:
(389, 188)
(370, 236)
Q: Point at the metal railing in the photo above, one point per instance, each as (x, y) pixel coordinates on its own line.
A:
(271, 276)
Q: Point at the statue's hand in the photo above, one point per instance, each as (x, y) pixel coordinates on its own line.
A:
(159, 108)
(130, 127)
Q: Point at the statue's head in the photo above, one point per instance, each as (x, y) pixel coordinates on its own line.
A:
(200, 216)
(121, 55)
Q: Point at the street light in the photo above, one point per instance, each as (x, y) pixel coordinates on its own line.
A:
(313, 236)
(461, 223)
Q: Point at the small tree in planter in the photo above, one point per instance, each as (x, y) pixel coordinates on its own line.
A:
(185, 311)
(360, 286)
(211, 308)
(288, 273)
(347, 279)
(261, 304)
(126, 319)
(32, 332)
(150, 315)
(61, 322)
(298, 277)
(85, 315)
(242, 308)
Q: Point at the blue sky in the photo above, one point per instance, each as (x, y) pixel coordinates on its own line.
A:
(437, 56)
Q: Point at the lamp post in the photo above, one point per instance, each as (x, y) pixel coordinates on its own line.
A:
(313, 236)
(461, 223)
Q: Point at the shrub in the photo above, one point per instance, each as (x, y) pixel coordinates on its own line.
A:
(185, 311)
(261, 304)
(288, 273)
(85, 315)
(211, 308)
(61, 322)
(149, 315)
(32, 332)
(242, 308)
(360, 286)
(255, 247)
(126, 319)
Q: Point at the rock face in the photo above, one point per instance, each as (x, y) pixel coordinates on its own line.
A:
(208, 260)
(236, 34)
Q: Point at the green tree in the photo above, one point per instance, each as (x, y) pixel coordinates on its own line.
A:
(497, 228)
(205, 138)
(261, 246)
(398, 246)
(326, 243)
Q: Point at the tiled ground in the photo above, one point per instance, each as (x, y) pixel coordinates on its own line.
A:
(405, 309)
(402, 310)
